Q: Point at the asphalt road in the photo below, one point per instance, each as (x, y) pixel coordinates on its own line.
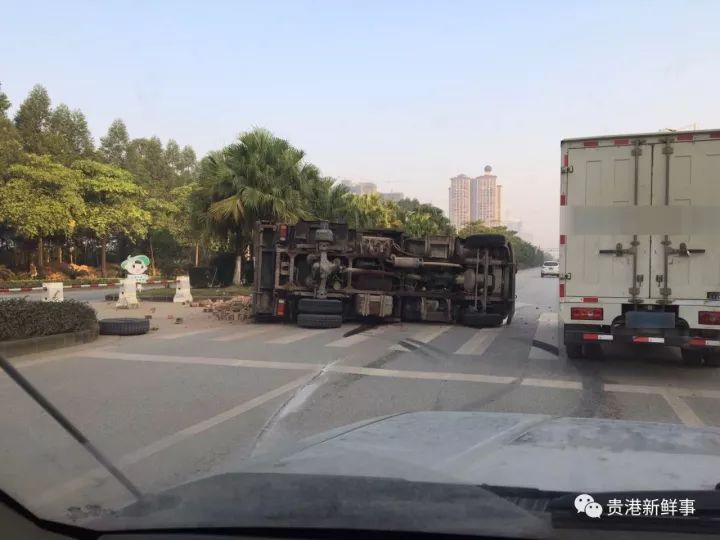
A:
(168, 406)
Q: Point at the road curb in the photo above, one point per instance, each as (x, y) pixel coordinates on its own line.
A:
(77, 286)
(20, 347)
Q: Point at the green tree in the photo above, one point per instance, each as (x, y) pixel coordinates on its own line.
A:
(114, 146)
(526, 254)
(147, 163)
(32, 119)
(68, 136)
(41, 198)
(421, 219)
(326, 199)
(259, 177)
(10, 146)
(113, 204)
(369, 211)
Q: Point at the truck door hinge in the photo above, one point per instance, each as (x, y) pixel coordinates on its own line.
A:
(566, 170)
(637, 151)
(567, 276)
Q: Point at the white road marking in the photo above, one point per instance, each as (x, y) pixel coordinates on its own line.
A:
(93, 476)
(179, 335)
(633, 388)
(360, 337)
(424, 336)
(206, 360)
(480, 342)
(546, 332)
(425, 375)
(681, 409)
(298, 335)
(248, 331)
(550, 383)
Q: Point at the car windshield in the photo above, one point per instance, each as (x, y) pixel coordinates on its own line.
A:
(436, 243)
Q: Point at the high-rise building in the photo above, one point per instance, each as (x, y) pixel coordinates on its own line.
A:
(392, 196)
(475, 199)
(459, 200)
(360, 188)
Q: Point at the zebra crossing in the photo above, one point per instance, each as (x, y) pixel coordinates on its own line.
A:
(396, 337)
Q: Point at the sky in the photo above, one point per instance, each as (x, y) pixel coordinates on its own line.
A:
(403, 93)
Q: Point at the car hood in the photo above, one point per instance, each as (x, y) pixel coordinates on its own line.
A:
(504, 449)
(436, 472)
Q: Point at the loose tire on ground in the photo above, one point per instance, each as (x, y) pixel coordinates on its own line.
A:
(481, 241)
(319, 320)
(320, 306)
(124, 327)
(574, 351)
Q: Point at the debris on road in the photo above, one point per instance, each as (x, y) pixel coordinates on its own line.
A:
(236, 308)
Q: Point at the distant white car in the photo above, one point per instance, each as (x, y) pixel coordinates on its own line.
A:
(550, 268)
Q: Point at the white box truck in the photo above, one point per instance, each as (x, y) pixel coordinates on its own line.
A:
(640, 243)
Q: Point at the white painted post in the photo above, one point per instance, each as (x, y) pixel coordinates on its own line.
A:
(53, 292)
(182, 290)
(127, 297)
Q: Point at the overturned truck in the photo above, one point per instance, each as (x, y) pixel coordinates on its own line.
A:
(320, 273)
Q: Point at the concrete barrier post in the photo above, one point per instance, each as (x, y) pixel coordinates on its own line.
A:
(127, 297)
(53, 292)
(182, 290)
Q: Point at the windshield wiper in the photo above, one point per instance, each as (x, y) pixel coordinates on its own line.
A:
(68, 426)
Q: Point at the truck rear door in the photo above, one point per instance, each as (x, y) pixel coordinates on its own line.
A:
(597, 251)
(686, 174)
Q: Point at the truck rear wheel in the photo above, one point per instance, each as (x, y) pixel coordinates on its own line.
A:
(320, 305)
(692, 357)
(477, 319)
(482, 241)
(574, 351)
(319, 320)
(712, 358)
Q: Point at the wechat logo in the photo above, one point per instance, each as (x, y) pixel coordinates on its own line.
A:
(585, 504)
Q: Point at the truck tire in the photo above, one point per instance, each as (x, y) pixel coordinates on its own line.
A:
(488, 240)
(124, 327)
(692, 357)
(574, 351)
(712, 358)
(477, 319)
(319, 320)
(320, 306)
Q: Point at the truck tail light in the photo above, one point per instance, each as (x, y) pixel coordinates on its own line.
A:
(709, 317)
(586, 313)
(280, 307)
(562, 290)
(283, 229)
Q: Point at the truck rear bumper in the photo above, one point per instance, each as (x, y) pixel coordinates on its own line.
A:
(672, 338)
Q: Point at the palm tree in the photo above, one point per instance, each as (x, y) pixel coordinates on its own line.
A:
(261, 177)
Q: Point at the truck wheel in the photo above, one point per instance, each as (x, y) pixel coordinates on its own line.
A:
(124, 327)
(320, 305)
(481, 241)
(594, 351)
(319, 320)
(692, 357)
(574, 351)
(712, 358)
(477, 319)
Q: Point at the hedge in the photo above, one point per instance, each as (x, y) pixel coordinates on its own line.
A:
(20, 318)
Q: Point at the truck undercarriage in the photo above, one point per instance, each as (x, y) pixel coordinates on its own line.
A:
(320, 273)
